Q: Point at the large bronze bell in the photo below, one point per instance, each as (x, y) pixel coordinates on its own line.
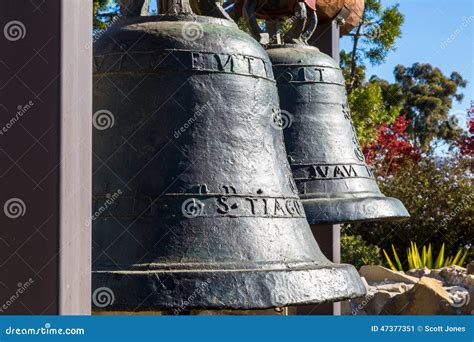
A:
(196, 206)
(328, 165)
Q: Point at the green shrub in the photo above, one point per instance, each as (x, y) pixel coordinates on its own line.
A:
(415, 259)
(355, 251)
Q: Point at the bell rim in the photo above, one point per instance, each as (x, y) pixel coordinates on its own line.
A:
(347, 210)
(262, 289)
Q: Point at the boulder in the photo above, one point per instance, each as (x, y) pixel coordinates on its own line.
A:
(364, 281)
(435, 275)
(460, 298)
(419, 272)
(427, 297)
(468, 281)
(359, 305)
(470, 268)
(378, 301)
(453, 275)
(379, 274)
(394, 287)
(468, 309)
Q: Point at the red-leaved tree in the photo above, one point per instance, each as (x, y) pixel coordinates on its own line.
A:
(392, 147)
(466, 143)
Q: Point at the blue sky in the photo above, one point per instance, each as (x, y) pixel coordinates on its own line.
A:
(439, 32)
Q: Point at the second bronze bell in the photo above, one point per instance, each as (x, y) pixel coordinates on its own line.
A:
(328, 165)
(333, 180)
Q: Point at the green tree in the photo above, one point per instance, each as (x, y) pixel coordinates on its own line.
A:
(373, 39)
(373, 103)
(438, 196)
(429, 97)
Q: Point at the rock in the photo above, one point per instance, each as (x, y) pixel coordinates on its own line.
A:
(376, 298)
(468, 281)
(468, 309)
(378, 274)
(427, 297)
(364, 281)
(470, 268)
(453, 275)
(419, 272)
(395, 287)
(377, 301)
(435, 275)
(460, 299)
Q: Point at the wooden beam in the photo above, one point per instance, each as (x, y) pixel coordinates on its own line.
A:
(326, 39)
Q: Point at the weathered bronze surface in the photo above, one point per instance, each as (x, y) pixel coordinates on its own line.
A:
(208, 214)
(327, 163)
